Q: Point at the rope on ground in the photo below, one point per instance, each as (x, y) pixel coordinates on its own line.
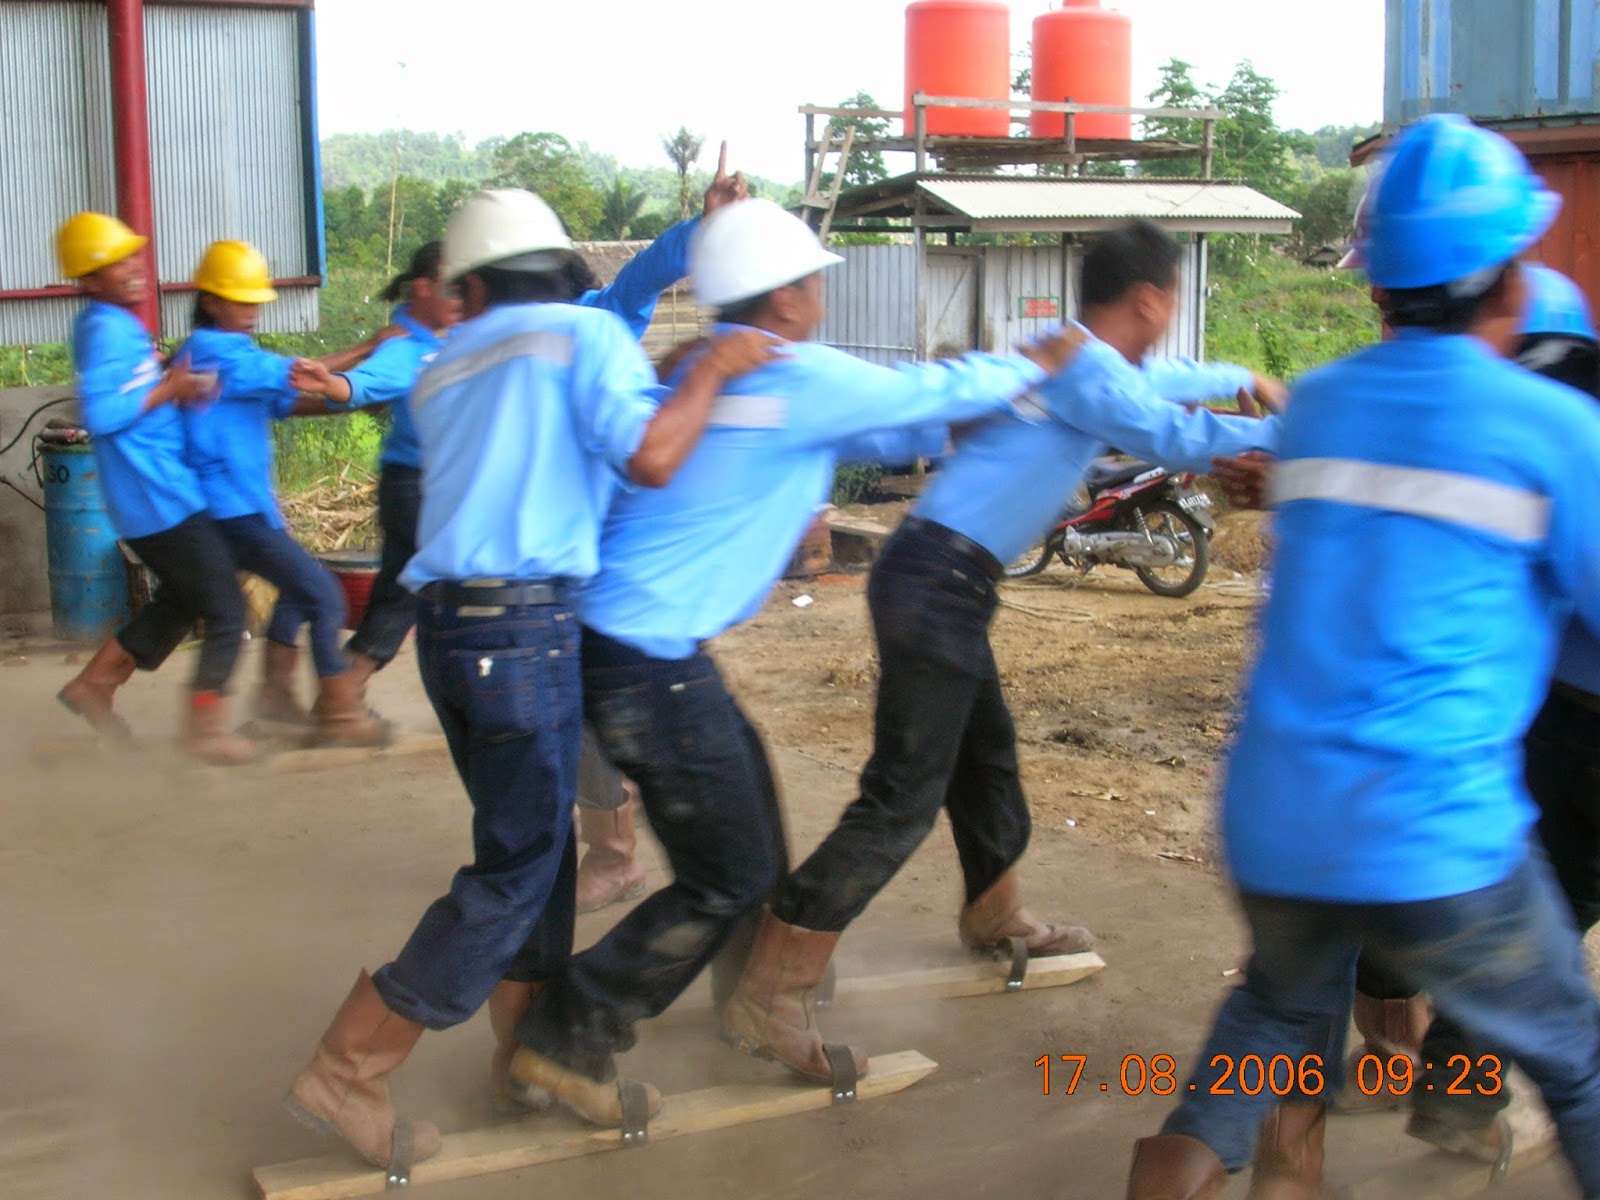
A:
(1237, 587)
(1050, 614)
(820, 761)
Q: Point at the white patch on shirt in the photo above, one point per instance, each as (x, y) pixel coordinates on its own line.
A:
(144, 375)
(750, 412)
(554, 348)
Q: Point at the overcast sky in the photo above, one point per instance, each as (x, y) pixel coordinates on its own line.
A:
(620, 74)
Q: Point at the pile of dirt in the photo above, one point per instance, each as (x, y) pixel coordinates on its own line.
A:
(1243, 542)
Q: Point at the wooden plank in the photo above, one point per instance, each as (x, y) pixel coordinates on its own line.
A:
(552, 1138)
(288, 762)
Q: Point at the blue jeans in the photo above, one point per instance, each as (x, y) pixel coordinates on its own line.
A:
(672, 728)
(391, 610)
(1504, 961)
(942, 737)
(508, 693)
(308, 594)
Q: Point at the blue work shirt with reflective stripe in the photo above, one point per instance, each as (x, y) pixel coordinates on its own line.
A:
(230, 438)
(1434, 528)
(683, 563)
(144, 476)
(632, 295)
(527, 419)
(1010, 477)
(387, 377)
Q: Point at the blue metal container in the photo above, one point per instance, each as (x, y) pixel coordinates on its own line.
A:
(1490, 59)
(88, 574)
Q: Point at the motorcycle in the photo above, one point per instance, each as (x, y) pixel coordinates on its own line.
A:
(1134, 515)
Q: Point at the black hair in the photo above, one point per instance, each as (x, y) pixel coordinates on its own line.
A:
(202, 315)
(1120, 259)
(1440, 308)
(424, 265)
(745, 312)
(1570, 360)
(560, 284)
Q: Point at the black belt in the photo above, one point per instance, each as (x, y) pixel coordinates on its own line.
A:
(948, 537)
(509, 593)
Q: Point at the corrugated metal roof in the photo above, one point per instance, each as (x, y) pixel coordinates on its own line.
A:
(1068, 200)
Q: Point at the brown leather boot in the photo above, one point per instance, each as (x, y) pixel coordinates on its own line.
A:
(90, 692)
(773, 1012)
(207, 736)
(1171, 1166)
(342, 718)
(1288, 1162)
(507, 1003)
(1387, 1028)
(998, 914)
(362, 667)
(596, 1102)
(343, 1091)
(275, 699)
(608, 873)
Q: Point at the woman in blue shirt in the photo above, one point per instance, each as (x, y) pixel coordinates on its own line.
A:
(131, 408)
(229, 444)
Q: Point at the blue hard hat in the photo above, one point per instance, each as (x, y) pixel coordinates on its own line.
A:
(1556, 305)
(1454, 202)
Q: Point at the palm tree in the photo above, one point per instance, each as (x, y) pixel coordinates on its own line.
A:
(683, 148)
(620, 210)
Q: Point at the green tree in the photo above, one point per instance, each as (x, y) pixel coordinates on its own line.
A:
(547, 164)
(865, 166)
(1327, 210)
(619, 211)
(1177, 89)
(1250, 146)
(683, 148)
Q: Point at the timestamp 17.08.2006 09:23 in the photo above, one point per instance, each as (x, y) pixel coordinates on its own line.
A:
(1459, 1075)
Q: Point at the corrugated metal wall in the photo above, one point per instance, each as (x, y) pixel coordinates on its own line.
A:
(950, 300)
(871, 300)
(1014, 276)
(55, 149)
(1490, 58)
(225, 148)
(1571, 245)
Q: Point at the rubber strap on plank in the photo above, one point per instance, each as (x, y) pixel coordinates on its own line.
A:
(1502, 1165)
(402, 1150)
(825, 989)
(843, 1065)
(635, 1112)
(1019, 964)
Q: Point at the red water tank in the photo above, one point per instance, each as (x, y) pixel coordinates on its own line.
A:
(959, 48)
(1086, 52)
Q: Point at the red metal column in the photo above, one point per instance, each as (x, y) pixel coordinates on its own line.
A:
(130, 132)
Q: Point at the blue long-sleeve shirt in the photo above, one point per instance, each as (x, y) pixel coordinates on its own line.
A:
(230, 438)
(387, 376)
(633, 294)
(1434, 531)
(1010, 477)
(144, 475)
(681, 564)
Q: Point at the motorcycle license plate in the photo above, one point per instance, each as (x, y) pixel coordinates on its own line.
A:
(1195, 501)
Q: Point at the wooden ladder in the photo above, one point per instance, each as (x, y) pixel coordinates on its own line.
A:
(815, 200)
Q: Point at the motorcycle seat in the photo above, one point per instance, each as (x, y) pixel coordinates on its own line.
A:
(1104, 473)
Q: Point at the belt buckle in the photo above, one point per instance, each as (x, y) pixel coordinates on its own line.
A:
(480, 610)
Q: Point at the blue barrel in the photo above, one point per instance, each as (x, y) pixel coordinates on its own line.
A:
(88, 574)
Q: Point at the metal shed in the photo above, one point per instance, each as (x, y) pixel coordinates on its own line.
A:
(921, 299)
(192, 121)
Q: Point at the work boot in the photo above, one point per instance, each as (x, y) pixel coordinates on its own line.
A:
(341, 717)
(343, 1091)
(275, 700)
(362, 667)
(1387, 1028)
(1171, 1166)
(207, 736)
(507, 1003)
(608, 873)
(998, 914)
(773, 1012)
(1288, 1162)
(1489, 1142)
(596, 1102)
(90, 692)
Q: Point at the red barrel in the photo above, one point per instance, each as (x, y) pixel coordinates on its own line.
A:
(959, 48)
(1086, 52)
(356, 571)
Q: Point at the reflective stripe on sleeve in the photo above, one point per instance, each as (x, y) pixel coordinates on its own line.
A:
(1466, 500)
(555, 348)
(750, 412)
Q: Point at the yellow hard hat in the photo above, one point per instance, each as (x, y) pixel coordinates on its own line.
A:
(235, 271)
(93, 240)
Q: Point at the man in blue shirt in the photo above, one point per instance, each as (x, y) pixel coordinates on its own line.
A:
(943, 737)
(529, 419)
(1434, 534)
(679, 566)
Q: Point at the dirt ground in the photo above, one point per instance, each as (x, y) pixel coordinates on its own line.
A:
(175, 940)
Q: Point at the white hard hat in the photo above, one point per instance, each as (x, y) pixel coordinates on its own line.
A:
(750, 248)
(498, 225)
